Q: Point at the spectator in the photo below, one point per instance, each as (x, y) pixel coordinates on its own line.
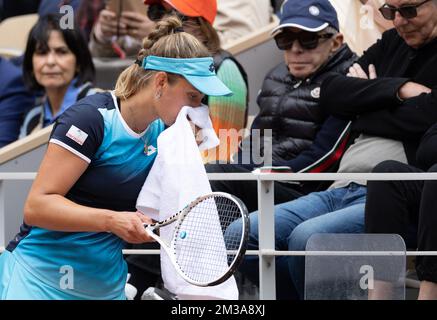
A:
(57, 62)
(390, 114)
(116, 37)
(14, 101)
(360, 22)
(239, 18)
(226, 112)
(80, 221)
(304, 137)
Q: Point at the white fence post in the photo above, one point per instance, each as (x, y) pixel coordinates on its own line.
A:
(266, 232)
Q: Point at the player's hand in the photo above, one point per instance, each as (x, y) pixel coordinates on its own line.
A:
(411, 90)
(129, 226)
(138, 25)
(198, 134)
(355, 71)
(197, 131)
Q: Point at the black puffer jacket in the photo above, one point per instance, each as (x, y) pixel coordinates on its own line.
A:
(290, 107)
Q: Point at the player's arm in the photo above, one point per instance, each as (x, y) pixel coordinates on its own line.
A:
(46, 206)
(75, 139)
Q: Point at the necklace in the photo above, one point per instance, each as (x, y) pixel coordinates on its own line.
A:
(143, 135)
(148, 149)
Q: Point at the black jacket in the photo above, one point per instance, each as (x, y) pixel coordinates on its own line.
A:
(374, 105)
(304, 137)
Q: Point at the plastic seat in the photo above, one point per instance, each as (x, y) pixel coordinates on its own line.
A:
(14, 32)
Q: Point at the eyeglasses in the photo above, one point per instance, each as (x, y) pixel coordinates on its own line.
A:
(307, 40)
(407, 12)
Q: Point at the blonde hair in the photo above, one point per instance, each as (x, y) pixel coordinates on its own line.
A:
(204, 32)
(164, 41)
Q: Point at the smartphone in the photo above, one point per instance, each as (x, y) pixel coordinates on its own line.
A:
(118, 6)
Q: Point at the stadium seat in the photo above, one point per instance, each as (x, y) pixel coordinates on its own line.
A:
(10, 53)
(14, 32)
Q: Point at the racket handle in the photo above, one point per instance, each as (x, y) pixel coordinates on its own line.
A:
(150, 230)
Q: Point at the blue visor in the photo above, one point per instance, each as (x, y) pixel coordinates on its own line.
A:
(200, 72)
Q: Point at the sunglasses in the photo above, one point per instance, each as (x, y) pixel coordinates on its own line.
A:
(307, 40)
(157, 11)
(407, 12)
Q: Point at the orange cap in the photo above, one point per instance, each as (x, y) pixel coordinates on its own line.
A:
(206, 9)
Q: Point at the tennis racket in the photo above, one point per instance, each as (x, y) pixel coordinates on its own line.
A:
(209, 238)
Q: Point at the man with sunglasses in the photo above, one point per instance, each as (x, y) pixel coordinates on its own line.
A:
(388, 96)
(392, 92)
(407, 208)
(304, 138)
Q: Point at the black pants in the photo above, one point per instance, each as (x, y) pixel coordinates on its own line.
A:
(400, 206)
(247, 190)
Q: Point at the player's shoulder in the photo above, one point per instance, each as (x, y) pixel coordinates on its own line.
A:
(88, 107)
(100, 100)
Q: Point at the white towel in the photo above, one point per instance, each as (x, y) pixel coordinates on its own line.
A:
(178, 177)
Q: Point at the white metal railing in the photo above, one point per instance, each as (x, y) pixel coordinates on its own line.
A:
(298, 253)
(424, 176)
(266, 250)
(17, 176)
(274, 253)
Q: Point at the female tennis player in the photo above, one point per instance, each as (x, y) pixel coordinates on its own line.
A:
(81, 208)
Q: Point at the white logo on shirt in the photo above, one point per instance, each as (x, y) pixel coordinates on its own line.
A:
(150, 150)
(315, 93)
(77, 135)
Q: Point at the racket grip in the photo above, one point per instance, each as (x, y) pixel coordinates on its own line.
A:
(150, 230)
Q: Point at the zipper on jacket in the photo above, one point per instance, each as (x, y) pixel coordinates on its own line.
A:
(297, 85)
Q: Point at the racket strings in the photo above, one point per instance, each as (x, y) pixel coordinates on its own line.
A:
(206, 242)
